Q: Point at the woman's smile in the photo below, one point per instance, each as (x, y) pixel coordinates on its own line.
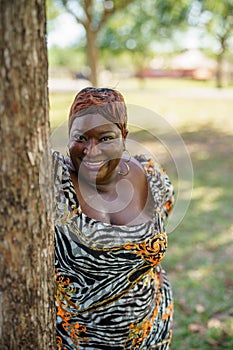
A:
(92, 164)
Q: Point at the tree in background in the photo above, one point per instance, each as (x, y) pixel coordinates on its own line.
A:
(217, 18)
(26, 243)
(118, 26)
(93, 15)
(141, 25)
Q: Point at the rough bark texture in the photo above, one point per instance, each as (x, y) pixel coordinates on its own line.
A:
(26, 243)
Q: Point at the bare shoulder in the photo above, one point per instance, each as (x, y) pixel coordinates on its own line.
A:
(137, 172)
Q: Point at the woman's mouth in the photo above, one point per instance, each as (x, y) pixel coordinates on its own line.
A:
(93, 165)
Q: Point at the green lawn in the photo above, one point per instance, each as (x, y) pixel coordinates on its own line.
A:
(199, 258)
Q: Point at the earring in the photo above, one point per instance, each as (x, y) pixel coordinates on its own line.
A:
(127, 169)
(120, 172)
(128, 153)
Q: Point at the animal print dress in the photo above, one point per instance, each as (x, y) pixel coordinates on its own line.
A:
(111, 292)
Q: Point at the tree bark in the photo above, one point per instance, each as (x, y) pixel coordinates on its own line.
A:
(26, 243)
(92, 55)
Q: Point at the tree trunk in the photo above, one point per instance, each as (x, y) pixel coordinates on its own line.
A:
(92, 55)
(219, 78)
(220, 57)
(26, 244)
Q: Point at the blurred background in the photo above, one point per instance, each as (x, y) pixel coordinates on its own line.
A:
(174, 58)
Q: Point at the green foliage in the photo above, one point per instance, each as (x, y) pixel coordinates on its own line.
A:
(142, 23)
(52, 10)
(128, 26)
(136, 28)
(216, 17)
(139, 26)
(92, 14)
(73, 58)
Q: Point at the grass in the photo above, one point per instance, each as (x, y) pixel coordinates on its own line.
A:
(199, 258)
(184, 103)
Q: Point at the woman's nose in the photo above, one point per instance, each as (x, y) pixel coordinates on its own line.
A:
(91, 148)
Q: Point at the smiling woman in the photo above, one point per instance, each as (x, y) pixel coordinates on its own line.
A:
(97, 144)
(109, 234)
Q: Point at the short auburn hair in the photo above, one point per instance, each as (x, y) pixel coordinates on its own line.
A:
(104, 101)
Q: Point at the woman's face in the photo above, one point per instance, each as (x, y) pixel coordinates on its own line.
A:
(96, 146)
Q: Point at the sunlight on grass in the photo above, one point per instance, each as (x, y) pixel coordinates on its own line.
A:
(203, 272)
(189, 111)
(225, 239)
(197, 275)
(59, 107)
(208, 202)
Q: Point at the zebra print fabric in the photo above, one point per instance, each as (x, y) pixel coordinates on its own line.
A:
(111, 292)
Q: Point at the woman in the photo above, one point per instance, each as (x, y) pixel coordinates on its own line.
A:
(111, 292)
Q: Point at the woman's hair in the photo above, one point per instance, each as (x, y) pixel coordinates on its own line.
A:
(107, 102)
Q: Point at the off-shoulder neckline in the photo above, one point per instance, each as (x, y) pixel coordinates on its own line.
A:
(149, 176)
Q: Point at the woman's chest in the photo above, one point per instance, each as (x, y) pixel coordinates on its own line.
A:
(125, 202)
(125, 207)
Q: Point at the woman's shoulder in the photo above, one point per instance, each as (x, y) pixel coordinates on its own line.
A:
(57, 156)
(153, 169)
(153, 172)
(148, 163)
(144, 172)
(161, 187)
(60, 169)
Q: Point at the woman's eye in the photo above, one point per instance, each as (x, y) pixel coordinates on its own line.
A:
(79, 138)
(106, 138)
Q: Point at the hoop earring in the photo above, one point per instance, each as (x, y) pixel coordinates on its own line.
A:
(120, 172)
(129, 155)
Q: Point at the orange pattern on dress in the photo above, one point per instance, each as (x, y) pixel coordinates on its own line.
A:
(151, 250)
(169, 205)
(75, 330)
(169, 312)
(149, 166)
(138, 333)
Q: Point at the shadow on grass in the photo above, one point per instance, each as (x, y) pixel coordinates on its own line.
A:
(199, 259)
